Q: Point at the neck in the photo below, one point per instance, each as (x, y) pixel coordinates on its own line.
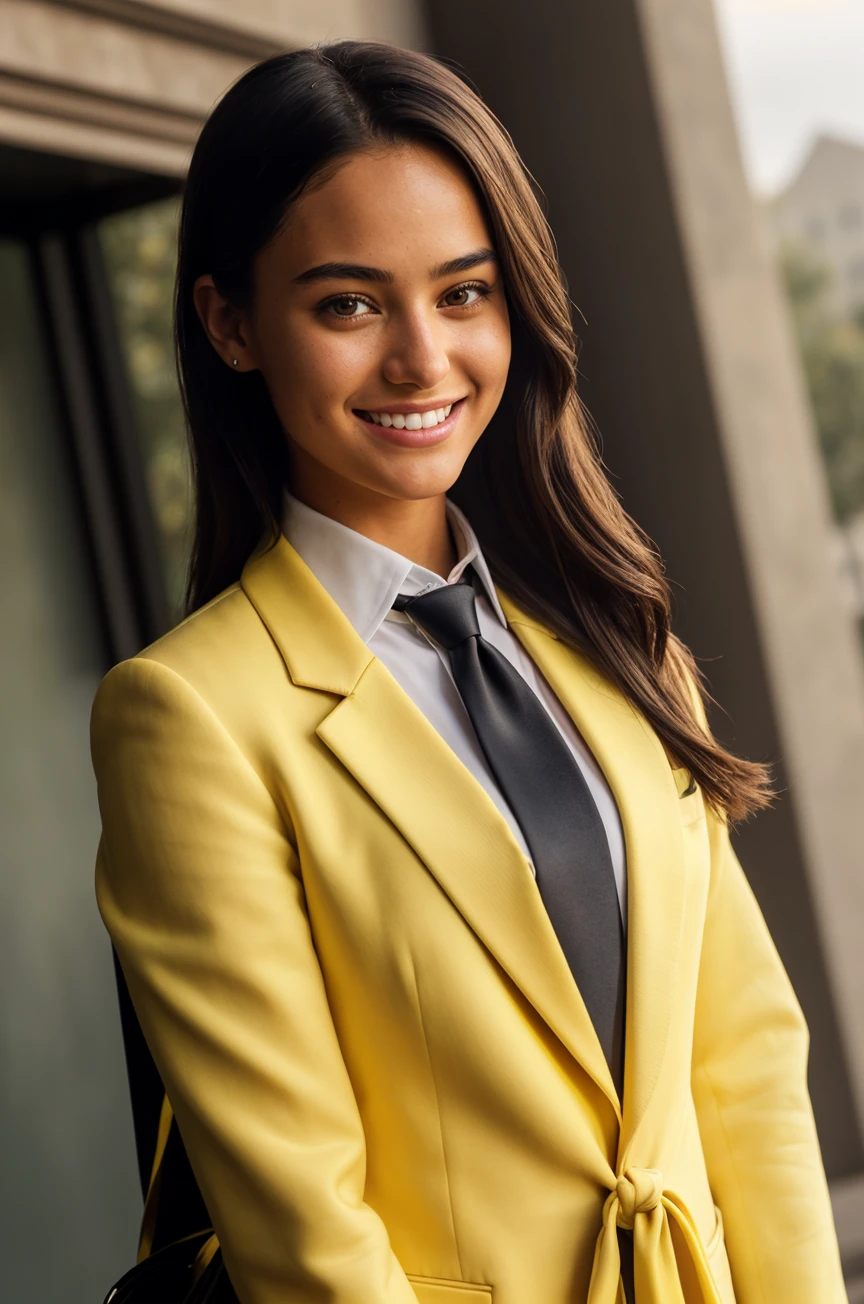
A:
(415, 528)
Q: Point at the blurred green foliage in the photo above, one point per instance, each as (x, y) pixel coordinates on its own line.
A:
(832, 352)
(140, 250)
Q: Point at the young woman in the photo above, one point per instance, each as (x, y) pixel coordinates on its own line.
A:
(415, 839)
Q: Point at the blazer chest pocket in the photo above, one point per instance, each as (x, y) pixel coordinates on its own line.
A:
(438, 1290)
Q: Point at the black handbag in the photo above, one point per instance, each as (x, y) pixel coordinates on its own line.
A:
(176, 1274)
(179, 1257)
(175, 1266)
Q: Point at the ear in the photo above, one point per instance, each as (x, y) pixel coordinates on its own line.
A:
(224, 325)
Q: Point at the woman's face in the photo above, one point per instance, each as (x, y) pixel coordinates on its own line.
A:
(380, 327)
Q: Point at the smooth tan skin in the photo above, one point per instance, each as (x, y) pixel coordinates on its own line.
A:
(328, 346)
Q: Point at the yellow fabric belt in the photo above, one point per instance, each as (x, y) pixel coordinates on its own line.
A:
(640, 1203)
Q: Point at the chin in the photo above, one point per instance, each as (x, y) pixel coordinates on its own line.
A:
(422, 483)
(423, 475)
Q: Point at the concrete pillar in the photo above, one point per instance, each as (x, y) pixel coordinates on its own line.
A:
(621, 111)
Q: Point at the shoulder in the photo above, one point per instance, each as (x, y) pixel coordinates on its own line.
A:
(214, 660)
(184, 725)
(213, 638)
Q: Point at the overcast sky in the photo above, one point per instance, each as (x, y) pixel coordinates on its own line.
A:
(796, 68)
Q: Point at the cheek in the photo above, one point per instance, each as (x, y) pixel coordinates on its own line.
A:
(315, 370)
(487, 356)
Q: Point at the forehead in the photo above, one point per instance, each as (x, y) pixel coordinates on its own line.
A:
(405, 208)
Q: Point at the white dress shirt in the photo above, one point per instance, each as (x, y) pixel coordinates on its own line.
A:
(364, 577)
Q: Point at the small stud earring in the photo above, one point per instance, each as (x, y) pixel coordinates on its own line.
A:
(235, 362)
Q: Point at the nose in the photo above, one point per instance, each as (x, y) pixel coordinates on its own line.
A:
(416, 353)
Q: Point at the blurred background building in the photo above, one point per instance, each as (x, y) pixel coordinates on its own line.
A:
(722, 327)
(822, 208)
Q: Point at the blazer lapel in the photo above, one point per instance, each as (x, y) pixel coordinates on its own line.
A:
(387, 743)
(639, 774)
(419, 783)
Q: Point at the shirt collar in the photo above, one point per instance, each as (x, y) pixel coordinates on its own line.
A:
(362, 576)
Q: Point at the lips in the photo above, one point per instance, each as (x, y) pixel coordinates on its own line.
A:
(412, 428)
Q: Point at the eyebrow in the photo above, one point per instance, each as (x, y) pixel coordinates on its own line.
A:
(359, 272)
(465, 263)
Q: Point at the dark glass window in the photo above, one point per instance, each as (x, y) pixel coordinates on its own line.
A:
(72, 1203)
(140, 250)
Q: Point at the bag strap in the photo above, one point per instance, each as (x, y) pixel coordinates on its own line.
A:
(151, 1203)
(174, 1208)
(146, 1091)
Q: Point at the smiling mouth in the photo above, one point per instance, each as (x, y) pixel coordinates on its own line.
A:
(409, 420)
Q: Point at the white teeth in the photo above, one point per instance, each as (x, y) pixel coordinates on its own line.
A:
(412, 420)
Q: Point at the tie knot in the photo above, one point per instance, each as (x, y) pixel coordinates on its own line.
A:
(639, 1191)
(448, 614)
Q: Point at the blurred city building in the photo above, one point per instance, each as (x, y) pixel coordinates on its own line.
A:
(698, 377)
(823, 207)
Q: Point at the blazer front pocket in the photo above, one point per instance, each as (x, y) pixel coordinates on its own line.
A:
(439, 1290)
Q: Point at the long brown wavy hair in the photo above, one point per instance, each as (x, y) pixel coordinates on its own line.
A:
(553, 530)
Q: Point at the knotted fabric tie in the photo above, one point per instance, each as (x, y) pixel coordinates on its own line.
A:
(547, 793)
(639, 1191)
(641, 1203)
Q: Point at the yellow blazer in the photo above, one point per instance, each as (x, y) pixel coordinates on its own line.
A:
(387, 1082)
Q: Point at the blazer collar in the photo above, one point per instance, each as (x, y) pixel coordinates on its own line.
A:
(318, 643)
(362, 576)
(446, 816)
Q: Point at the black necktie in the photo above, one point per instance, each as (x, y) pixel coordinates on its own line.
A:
(547, 793)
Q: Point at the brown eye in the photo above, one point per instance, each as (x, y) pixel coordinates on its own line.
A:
(345, 307)
(464, 295)
(348, 305)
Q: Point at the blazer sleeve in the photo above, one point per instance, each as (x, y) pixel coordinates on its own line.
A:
(753, 1107)
(198, 884)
